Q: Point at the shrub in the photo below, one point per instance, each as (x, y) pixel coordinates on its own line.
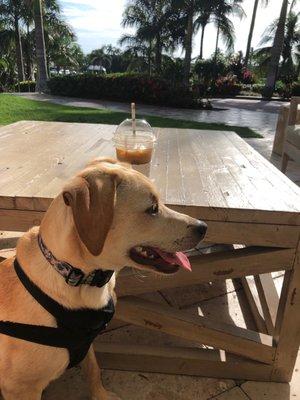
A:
(258, 87)
(25, 86)
(248, 77)
(296, 89)
(209, 69)
(226, 86)
(124, 87)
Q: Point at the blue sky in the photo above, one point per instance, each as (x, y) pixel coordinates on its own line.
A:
(97, 22)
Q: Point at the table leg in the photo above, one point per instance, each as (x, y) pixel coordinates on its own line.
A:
(287, 329)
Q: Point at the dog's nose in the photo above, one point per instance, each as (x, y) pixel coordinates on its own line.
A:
(200, 228)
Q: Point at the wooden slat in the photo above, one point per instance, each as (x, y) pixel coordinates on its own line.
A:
(181, 361)
(252, 234)
(19, 220)
(215, 172)
(287, 328)
(211, 267)
(254, 304)
(269, 300)
(198, 329)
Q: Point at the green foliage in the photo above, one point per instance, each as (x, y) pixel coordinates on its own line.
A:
(124, 87)
(25, 86)
(296, 89)
(209, 69)
(15, 108)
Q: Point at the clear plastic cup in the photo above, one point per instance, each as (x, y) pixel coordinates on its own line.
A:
(134, 142)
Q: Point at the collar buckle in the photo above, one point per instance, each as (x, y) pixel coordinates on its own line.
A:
(74, 277)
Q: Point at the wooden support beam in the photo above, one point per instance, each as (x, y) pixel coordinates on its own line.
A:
(287, 331)
(269, 299)
(198, 329)
(181, 361)
(210, 267)
(19, 220)
(253, 303)
(252, 234)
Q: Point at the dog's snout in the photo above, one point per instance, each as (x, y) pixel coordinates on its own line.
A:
(200, 228)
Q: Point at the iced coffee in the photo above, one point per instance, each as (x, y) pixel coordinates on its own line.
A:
(134, 145)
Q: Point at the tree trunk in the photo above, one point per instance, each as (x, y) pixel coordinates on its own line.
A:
(28, 58)
(247, 56)
(217, 41)
(276, 52)
(158, 55)
(188, 43)
(202, 41)
(19, 52)
(149, 57)
(42, 76)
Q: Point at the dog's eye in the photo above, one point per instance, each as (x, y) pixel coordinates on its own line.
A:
(153, 210)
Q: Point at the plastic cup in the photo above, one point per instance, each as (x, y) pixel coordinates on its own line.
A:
(134, 146)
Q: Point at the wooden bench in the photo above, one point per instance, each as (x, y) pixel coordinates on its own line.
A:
(291, 146)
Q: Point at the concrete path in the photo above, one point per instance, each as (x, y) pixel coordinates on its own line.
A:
(259, 115)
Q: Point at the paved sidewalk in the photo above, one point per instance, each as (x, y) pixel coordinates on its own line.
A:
(257, 115)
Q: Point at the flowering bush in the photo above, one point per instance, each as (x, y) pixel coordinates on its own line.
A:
(124, 87)
(226, 86)
(247, 76)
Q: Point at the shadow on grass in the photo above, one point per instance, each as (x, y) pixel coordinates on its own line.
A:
(15, 109)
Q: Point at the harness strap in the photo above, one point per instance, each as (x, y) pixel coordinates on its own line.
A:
(76, 328)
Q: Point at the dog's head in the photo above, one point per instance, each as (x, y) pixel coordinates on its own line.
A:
(120, 220)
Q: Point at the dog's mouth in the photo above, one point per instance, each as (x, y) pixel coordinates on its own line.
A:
(159, 260)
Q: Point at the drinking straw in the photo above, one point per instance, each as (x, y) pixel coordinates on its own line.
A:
(133, 118)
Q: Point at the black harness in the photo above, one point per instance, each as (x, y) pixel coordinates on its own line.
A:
(76, 329)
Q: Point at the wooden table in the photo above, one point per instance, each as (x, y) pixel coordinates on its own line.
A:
(211, 175)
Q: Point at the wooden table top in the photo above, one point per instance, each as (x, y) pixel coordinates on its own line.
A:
(214, 174)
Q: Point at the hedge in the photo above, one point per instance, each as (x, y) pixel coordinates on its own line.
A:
(124, 87)
(296, 89)
(25, 86)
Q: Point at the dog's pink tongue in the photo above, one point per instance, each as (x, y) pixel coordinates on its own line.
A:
(177, 258)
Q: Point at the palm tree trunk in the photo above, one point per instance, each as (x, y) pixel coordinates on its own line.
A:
(202, 41)
(27, 57)
(19, 52)
(247, 56)
(188, 44)
(40, 47)
(158, 54)
(276, 52)
(149, 57)
(217, 41)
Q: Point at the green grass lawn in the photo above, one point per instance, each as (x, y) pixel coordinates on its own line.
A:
(14, 108)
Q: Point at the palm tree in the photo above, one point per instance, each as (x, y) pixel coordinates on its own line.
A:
(290, 50)
(138, 49)
(40, 48)
(11, 12)
(255, 6)
(152, 20)
(205, 9)
(221, 15)
(188, 40)
(99, 57)
(276, 52)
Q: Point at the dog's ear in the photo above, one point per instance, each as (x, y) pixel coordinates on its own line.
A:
(92, 201)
